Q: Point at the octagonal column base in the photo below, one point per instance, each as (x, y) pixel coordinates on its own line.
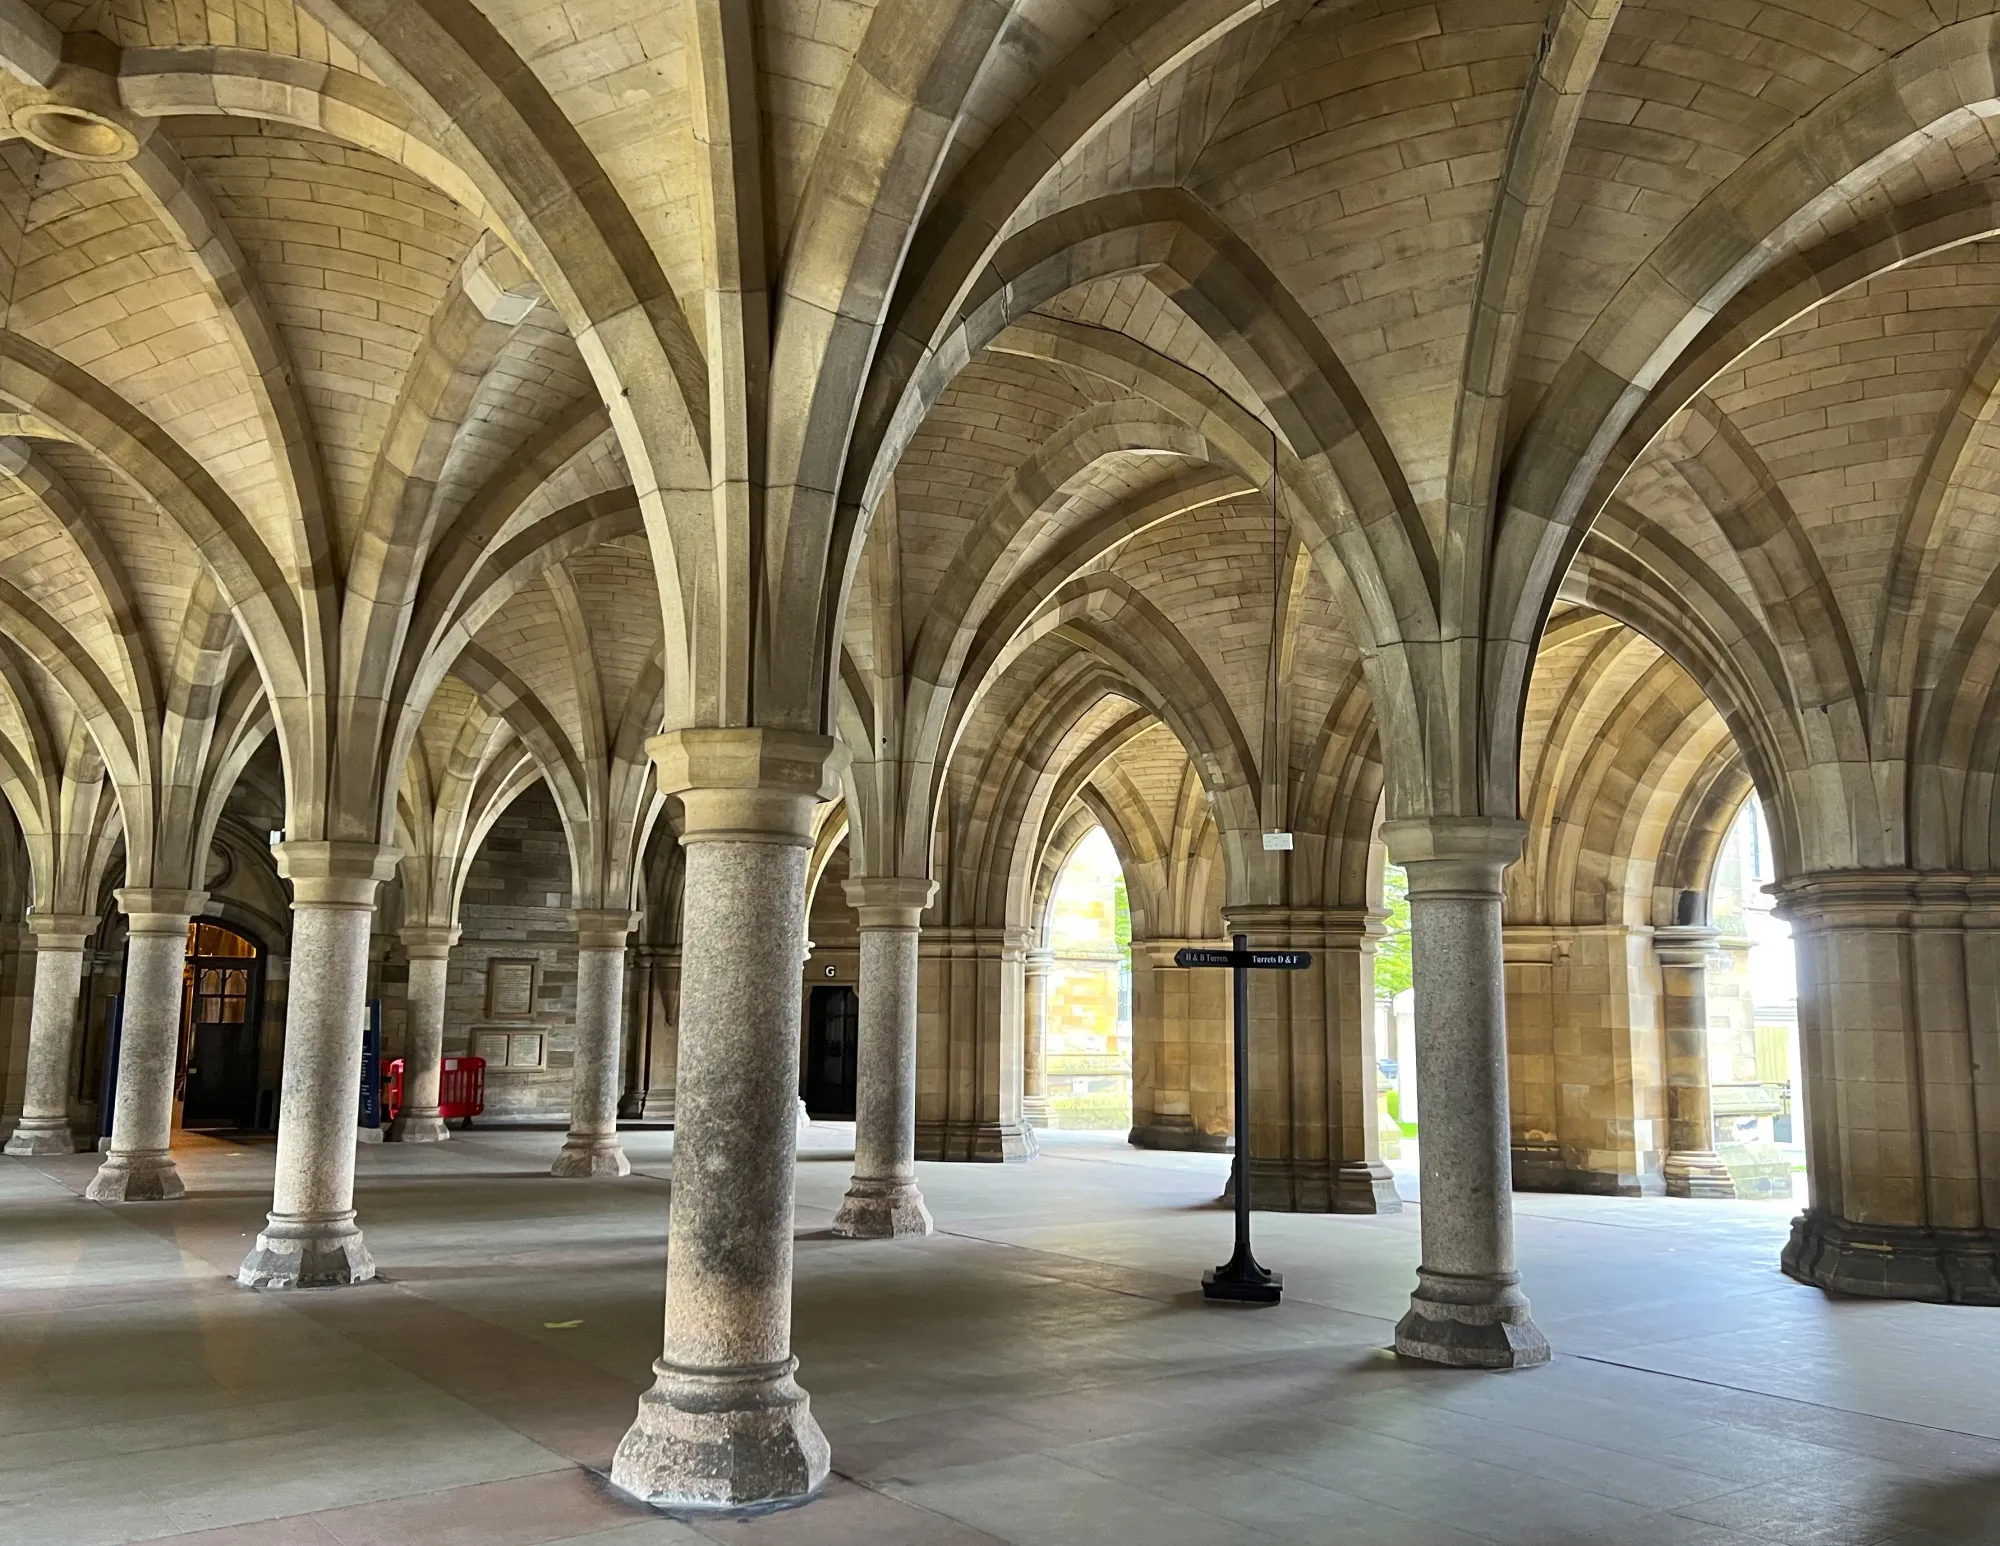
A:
(41, 1135)
(722, 1439)
(126, 1176)
(881, 1210)
(586, 1157)
(307, 1253)
(418, 1127)
(1470, 1323)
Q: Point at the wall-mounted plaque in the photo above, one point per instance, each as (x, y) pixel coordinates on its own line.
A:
(509, 1049)
(510, 990)
(492, 1046)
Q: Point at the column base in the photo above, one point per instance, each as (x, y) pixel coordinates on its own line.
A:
(418, 1127)
(978, 1142)
(370, 1134)
(1308, 1186)
(1697, 1173)
(1177, 1133)
(1470, 1323)
(881, 1210)
(1035, 1111)
(307, 1253)
(1366, 1188)
(658, 1107)
(722, 1439)
(136, 1178)
(1890, 1261)
(586, 1157)
(40, 1135)
(1538, 1167)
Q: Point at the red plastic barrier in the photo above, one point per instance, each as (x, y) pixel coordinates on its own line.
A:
(392, 1091)
(462, 1088)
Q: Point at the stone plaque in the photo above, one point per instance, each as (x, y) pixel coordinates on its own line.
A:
(524, 1051)
(510, 990)
(492, 1046)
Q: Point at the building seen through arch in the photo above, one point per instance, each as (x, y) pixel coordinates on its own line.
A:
(711, 592)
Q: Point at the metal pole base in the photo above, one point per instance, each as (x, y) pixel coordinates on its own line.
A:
(1242, 1280)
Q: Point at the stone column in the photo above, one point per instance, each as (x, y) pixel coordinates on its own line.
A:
(44, 1125)
(1692, 1168)
(429, 948)
(726, 1424)
(969, 1031)
(311, 1239)
(592, 1147)
(139, 1167)
(1315, 1143)
(663, 1078)
(882, 1200)
(1035, 1037)
(1584, 1059)
(1183, 1094)
(1899, 1031)
(1468, 1309)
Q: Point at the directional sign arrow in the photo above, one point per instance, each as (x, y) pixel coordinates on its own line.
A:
(1276, 960)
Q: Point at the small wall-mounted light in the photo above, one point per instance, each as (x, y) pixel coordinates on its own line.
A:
(277, 836)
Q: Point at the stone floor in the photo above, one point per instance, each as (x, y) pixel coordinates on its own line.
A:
(1042, 1372)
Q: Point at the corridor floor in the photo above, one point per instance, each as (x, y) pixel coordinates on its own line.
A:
(1041, 1372)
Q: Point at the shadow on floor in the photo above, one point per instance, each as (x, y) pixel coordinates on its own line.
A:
(1965, 1510)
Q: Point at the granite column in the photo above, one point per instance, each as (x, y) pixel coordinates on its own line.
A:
(139, 1166)
(725, 1424)
(44, 1127)
(882, 1200)
(311, 1239)
(592, 1147)
(429, 950)
(1468, 1310)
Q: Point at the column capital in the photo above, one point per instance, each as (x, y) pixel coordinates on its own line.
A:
(1464, 854)
(61, 931)
(158, 910)
(428, 941)
(603, 928)
(890, 901)
(748, 785)
(335, 874)
(1039, 960)
(1685, 944)
(1881, 899)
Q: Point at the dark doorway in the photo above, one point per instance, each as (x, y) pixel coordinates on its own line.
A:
(220, 1017)
(832, 1037)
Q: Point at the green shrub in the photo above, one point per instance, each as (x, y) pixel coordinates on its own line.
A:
(1090, 1113)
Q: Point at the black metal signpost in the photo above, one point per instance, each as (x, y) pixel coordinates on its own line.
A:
(1242, 1278)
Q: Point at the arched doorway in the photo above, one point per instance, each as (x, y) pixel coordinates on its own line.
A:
(221, 1012)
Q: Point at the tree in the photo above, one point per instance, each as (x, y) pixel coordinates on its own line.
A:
(1392, 952)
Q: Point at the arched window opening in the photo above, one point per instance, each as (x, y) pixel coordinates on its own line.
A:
(1396, 1027)
(1753, 1019)
(1089, 1005)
